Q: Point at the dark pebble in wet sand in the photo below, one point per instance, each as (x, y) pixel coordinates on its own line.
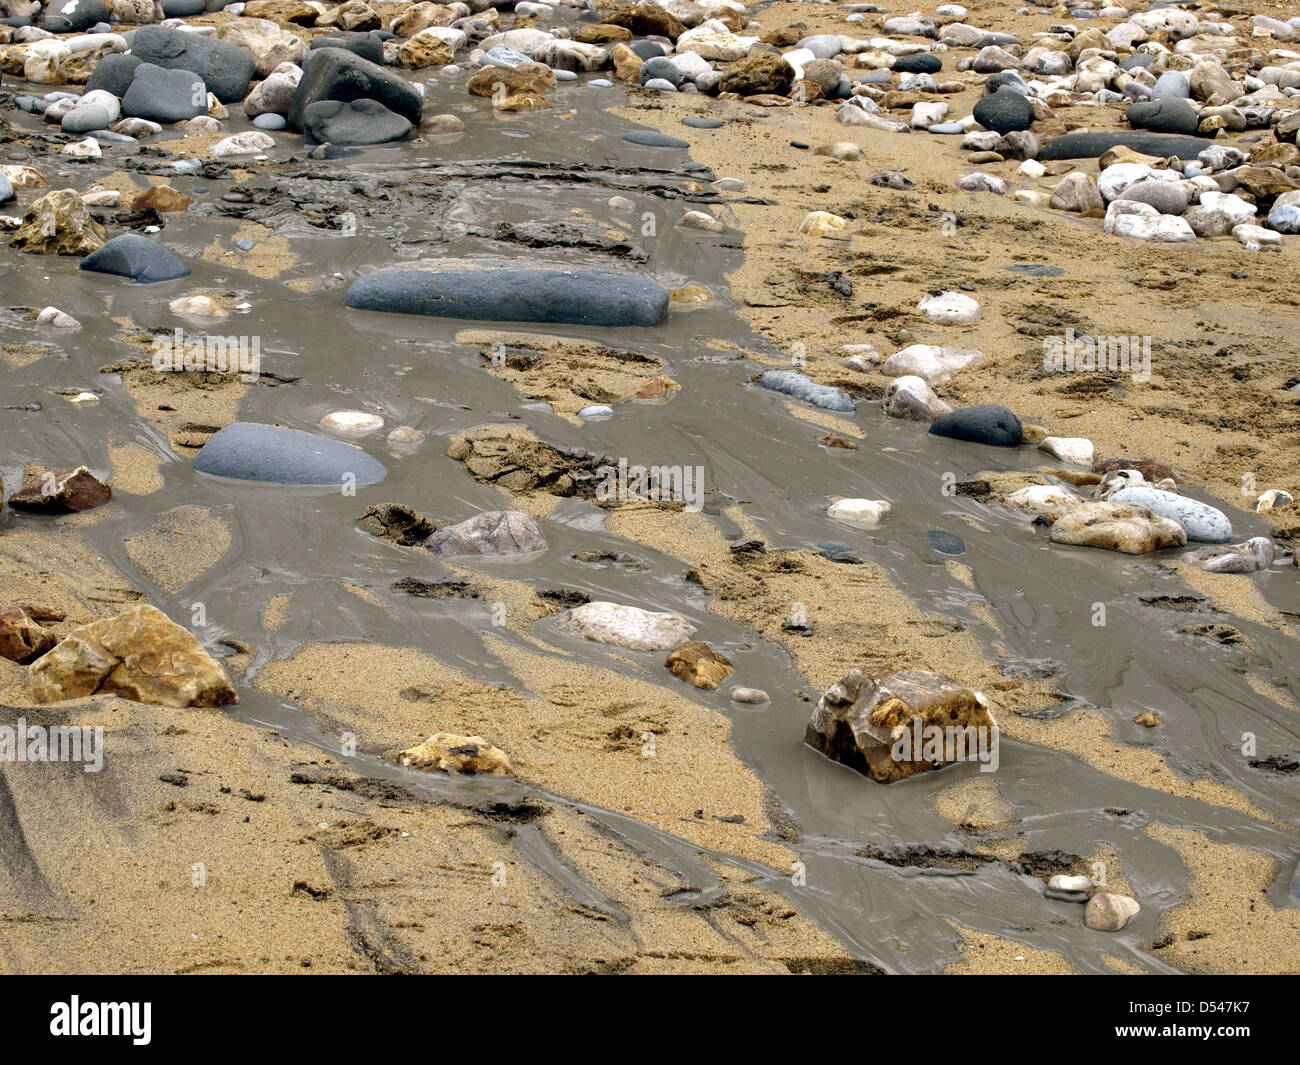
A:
(945, 542)
(353, 122)
(651, 139)
(838, 552)
(245, 245)
(920, 63)
(276, 455)
(139, 258)
(1035, 269)
(798, 144)
(697, 122)
(647, 49)
(986, 423)
(1093, 145)
(450, 289)
(226, 69)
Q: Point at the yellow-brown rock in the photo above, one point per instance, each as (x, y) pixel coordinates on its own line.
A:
(453, 753)
(141, 655)
(697, 663)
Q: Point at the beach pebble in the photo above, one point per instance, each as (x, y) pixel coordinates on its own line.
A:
(1201, 521)
(1112, 526)
(405, 434)
(986, 423)
(1064, 882)
(352, 421)
(1005, 111)
(1249, 557)
(139, 258)
(626, 626)
(864, 513)
(250, 142)
(1076, 192)
(1257, 237)
(1110, 913)
(801, 387)
(931, 363)
(823, 224)
(164, 96)
(1273, 499)
(945, 542)
(505, 291)
(949, 308)
(495, 532)
(57, 318)
(199, 306)
(1046, 500)
(278, 455)
(1069, 449)
(749, 695)
(912, 398)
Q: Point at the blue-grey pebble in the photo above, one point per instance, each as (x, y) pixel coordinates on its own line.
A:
(269, 121)
(798, 386)
(274, 454)
(139, 258)
(511, 293)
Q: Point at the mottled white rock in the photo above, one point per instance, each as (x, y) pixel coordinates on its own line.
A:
(1063, 882)
(931, 363)
(1273, 499)
(1069, 449)
(864, 513)
(626, 626)
(949, 308)
(60, 320)
(250, 142)
(1110, 913)
(352, 421)
(1048, 500)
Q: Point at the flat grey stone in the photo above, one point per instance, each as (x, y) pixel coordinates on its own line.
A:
(277, 455)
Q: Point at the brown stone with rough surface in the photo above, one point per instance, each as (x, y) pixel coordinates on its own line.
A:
(60, 491)
(452, 753)
(58, 224)
(21, 637)
(141, 655)
(697, 663)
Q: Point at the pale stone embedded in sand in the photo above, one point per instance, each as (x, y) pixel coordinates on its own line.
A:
(1047, 500)
(626, 626)
(1110, 913)
(1250, 557)
(352, 421)
(949, 308)
(1134, 530)
(250, 142)
(1064, 882)
(824, 224)
(198, 307)
(57, 318)
(140, 655)
(1273, 499)
(750, 696)
(1203, 522)
(699, 664)
(452, 753)
(911, 398)
(864, 513)
(405, 434)
(931, 363)
(861, 719)
(701, 220)
(1076, 449)
(494, 532)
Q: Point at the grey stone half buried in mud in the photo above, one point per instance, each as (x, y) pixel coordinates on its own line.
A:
(113, 73)
(136, 257)
(650, 139)
(352, 122)
(1093, 145)
(226, 69)
(800, 387)
(506, 292)
(277, 455)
